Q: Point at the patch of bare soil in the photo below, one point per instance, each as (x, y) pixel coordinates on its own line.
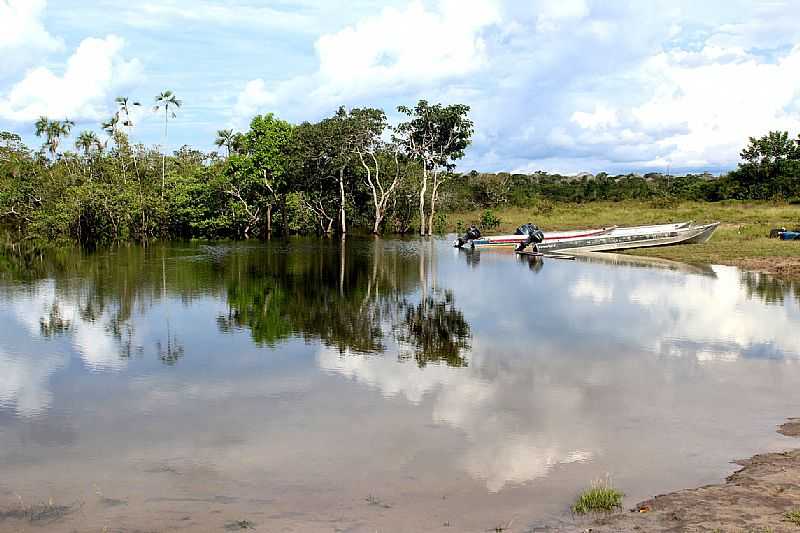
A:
(786, 267)
(791, 428)
(753, 499)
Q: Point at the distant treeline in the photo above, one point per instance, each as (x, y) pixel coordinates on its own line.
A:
(770, 170)
(348, 170)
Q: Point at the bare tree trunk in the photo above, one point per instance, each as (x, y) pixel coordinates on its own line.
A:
(343, 220)
(269, 219)
(434, 197)
(422, 191)
(164, 157)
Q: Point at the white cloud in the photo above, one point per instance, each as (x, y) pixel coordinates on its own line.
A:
(724, 95)
(91, 77)
(379, 51)
(398, 49)
(601, 117)
(23, 37)
(253, 99)
(552, 13)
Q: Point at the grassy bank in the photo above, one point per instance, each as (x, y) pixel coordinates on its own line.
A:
(741, 239)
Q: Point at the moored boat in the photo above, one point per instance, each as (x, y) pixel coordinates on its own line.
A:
(602, 239)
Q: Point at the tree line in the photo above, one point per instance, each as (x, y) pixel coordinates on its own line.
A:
(351, 168)
(769, 170)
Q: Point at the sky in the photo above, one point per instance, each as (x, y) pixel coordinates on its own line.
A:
(555, 85)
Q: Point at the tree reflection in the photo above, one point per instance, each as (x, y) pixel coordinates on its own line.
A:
(770, 289)
(435, 330)
(355, 296)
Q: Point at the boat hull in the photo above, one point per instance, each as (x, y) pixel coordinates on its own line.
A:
(610, 239)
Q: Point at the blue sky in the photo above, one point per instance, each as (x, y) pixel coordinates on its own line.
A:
(559, 85)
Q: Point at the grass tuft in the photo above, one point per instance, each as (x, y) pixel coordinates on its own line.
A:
(599, 497)
(793, 517)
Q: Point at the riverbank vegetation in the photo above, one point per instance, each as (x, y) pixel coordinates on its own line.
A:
(351, 170)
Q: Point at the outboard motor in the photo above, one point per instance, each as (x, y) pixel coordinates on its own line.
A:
(472, 234)
(534, 234)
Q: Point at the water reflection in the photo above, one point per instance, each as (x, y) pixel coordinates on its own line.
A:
(307, 371)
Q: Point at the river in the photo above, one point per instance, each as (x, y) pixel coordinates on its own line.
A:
(374, 385)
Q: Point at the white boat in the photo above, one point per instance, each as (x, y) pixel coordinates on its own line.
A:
(604, 239)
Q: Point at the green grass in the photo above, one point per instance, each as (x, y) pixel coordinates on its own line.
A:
(599, 497)
(741, 236)
(793, 517)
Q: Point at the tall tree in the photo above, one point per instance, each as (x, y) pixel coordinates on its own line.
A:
(53, 130)
(258, 177)
(436, 136)
(86, 141)
(771, 165)
(313, 173)
(374, 154)
(166, 100)
(110, 126)
(225, 138)
(124, 106)
(339, 136)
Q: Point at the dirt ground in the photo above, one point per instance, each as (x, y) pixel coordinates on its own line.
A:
(785, 267)
(753, 499)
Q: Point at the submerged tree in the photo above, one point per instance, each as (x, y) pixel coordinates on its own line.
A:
(375, 155)
(436, 136)
(257, 177)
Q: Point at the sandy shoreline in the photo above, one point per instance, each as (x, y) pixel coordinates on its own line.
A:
(752, 499)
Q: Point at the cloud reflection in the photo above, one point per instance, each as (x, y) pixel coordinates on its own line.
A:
(91, 338)
(497, 452)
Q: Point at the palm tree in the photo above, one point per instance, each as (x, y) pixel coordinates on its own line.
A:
(110, 125)
(53, 130)
(225, 138)
(165, 100)
(86, 141)
(124, 104)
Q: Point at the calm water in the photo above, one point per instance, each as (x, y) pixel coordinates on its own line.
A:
(376, 386)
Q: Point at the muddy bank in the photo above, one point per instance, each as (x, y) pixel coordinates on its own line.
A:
(753, 499)
(784, 267)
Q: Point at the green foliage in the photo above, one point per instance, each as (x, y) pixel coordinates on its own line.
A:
(599, 497)
(793, 516)
(489, 220)
(313, 177)
(440, 223)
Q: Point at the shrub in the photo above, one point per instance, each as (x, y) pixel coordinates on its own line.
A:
(489, 220)
(440, 223)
